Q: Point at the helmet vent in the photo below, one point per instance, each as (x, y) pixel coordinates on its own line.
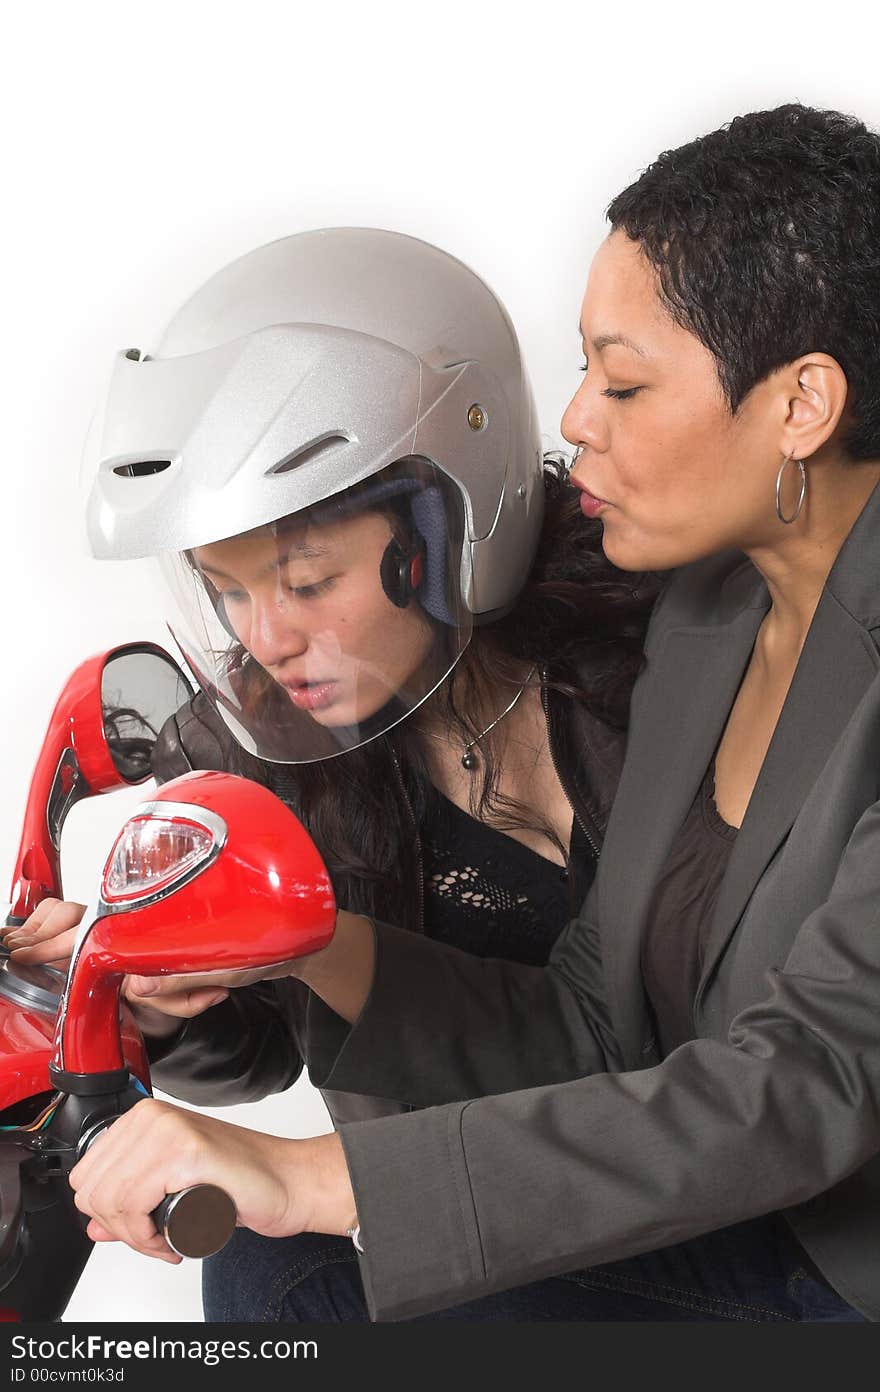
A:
(308, 452)
(141, 467)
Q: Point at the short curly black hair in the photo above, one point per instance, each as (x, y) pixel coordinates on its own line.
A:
(765, 237)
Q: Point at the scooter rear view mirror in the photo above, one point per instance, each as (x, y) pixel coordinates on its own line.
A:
(100, 737)
(141, 686)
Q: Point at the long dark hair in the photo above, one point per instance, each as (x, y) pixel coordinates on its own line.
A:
(577, 614)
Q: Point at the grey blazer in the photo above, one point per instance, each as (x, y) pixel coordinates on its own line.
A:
(554, 1137)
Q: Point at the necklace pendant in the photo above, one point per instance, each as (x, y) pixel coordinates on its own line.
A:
(469, 759)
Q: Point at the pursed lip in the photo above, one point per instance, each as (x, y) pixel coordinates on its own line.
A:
(582, 488)
(591, 504)
(302, 683)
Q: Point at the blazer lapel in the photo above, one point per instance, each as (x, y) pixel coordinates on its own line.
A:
(683, 701)
(836, 666)
(689, 689)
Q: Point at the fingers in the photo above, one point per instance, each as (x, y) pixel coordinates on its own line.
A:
(166, 985)
(51, 916)
(155, 1248)
(150, 1243)
(158, 987)
(53, 951)
(118, 1181)
(182, 1004)
(43, 908)
(157, 1148)
(48, 935)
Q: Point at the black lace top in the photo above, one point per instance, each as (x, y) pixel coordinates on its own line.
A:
(493, 896)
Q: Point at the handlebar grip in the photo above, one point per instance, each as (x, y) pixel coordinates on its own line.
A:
(196, 1222)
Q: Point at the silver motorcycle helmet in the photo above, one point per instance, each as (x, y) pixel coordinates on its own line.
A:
(334, 454)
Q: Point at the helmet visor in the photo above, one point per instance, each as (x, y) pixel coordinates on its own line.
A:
(320, 631)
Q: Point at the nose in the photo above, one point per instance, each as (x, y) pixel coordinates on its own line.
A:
(583, 423)
(275, 631)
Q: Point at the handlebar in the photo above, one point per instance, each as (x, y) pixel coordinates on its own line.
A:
(196, 1222)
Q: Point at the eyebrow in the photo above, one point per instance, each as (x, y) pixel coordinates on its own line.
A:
(305, 553)
(607, 340)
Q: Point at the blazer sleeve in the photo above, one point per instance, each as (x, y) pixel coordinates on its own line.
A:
(442, 1025)
(238, 1051)
(461, 1200)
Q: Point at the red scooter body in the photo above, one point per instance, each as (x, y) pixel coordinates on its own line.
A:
(28, 1011)
(211, 872)
(96, 741)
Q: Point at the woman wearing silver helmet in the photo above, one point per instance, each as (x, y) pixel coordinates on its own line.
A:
(334, 452)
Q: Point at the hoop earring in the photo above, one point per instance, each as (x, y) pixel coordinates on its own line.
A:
(790, 459)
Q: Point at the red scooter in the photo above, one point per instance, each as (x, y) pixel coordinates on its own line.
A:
(212, 872)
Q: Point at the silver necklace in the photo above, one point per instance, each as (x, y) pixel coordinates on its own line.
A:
(469, 759)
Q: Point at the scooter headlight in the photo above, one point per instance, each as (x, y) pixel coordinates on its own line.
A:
(160, 849)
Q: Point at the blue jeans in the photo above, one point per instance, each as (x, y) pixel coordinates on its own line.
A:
(753, 1271)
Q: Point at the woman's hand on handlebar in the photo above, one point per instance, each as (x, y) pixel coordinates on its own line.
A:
(278, 1186)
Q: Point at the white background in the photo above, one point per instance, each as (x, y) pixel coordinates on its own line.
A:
(145, 146)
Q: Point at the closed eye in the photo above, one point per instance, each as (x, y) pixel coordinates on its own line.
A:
(624, 395)
(312, 591)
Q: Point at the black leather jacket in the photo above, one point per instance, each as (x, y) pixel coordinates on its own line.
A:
(252, 1044)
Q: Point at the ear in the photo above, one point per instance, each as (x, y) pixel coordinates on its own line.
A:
(817, 390)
